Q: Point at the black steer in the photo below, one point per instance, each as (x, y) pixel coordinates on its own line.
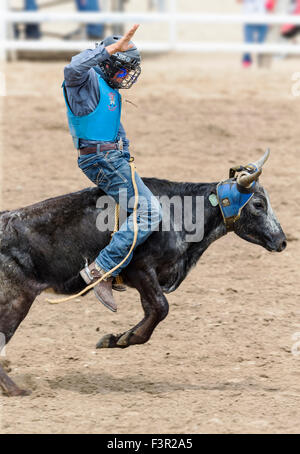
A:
(45, 245)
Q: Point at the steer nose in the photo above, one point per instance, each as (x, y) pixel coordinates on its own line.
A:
(282, 246)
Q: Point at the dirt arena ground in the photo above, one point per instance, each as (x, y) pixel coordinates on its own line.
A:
(221, 362)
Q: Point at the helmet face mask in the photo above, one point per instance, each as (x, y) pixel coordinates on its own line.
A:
(122, 69)
(120, 77)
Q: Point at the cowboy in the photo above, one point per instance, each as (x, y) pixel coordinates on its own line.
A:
(91, 92)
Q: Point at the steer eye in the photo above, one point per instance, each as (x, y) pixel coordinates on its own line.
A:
(259, 205)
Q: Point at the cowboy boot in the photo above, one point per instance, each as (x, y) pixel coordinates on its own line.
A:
(103, 290)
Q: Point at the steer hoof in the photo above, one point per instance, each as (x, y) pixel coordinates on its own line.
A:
(111, 341)
(107, 341)
(24, 392)
(18, 393)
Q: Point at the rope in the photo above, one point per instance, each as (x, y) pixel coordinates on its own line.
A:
(135, 226)
(118, 279)
(117, 214)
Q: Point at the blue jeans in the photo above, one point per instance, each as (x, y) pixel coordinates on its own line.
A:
(32, 31)
(94, 30)
(254, 34)
(111, 172)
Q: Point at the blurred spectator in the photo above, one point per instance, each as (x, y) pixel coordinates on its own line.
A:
(255, 33)
(93, 31)
(32, 31)
(291, 30)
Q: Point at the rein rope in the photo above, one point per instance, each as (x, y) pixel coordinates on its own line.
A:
(116, 227)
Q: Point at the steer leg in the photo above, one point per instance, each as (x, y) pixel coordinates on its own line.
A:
(13, 309)
(155, 307)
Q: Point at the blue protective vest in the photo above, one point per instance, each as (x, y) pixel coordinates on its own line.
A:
(103, 123)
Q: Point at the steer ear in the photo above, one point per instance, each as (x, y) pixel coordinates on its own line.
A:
(259, 164)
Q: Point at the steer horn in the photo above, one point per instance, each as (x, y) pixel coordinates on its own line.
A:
(246, 179)
(259, 164)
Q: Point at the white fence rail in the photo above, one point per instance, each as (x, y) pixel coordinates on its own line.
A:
(10, 16)
(171, 19)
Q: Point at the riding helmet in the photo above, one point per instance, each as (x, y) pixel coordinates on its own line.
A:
(128, 62)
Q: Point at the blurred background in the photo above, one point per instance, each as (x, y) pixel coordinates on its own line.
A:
(167, 24)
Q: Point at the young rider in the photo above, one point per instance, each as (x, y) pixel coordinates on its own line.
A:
(91, 90)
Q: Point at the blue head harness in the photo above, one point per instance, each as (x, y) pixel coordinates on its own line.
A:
(232, 197)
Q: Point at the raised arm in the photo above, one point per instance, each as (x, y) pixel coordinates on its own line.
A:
(123, 44)
(76, 72)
